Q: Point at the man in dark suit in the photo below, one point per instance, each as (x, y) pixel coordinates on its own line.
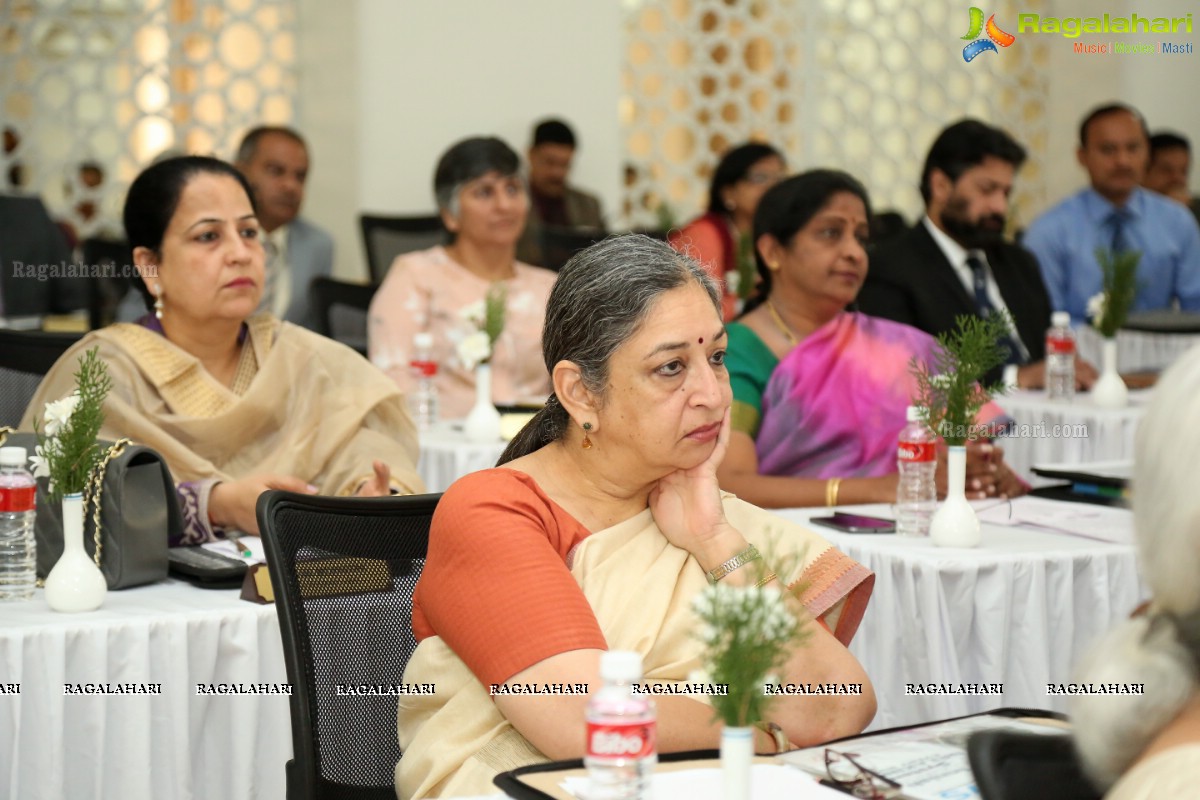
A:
(37, 275)
(553, 202)
(955, 260)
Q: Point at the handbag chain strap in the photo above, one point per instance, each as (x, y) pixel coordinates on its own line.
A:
(95, 488)
(4, 432)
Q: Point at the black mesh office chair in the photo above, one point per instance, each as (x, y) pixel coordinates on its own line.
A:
(113, 260)
(25, 358)
(343, 570)
(384, 238)
(559, 244)
(1027, 766)
(340, 310)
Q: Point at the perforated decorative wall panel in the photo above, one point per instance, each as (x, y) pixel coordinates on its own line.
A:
(114, 83)
(861, 85)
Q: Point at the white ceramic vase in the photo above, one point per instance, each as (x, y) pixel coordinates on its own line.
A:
(1109, 391)
(75, 583)
(483, 422)
(737, 754)
(955, 524)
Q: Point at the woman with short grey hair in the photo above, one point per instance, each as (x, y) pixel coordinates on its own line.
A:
(1148, 745)
(482, 200)
(598, 531)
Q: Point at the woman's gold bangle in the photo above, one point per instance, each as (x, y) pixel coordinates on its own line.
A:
(831, 491)
(765, 580)
(772, 729)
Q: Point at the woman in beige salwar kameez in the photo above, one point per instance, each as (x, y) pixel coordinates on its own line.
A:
(598, 532)
(236, 402)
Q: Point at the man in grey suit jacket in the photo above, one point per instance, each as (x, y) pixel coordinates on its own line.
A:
(34, 260)
(275, 162)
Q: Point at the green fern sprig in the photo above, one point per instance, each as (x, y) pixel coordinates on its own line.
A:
(950, 388)
(495, 308)
(1120, 288)
(69, 452)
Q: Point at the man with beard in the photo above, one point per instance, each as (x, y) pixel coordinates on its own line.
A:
(275, 163)
(956, 261)
(1115, 213)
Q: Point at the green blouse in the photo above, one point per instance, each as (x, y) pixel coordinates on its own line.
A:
(750, 363)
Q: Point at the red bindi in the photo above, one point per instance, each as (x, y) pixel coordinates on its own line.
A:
(701, 340)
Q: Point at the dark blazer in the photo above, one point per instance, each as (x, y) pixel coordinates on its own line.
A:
(33, 259)
(911, 281)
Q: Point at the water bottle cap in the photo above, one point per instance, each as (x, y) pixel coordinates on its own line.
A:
(423, 340)
(914, 413)
(621, 665)
(1060, 319)
(12, 457)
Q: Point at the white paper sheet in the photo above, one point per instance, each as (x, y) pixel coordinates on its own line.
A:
(1105, 523)
(227, 548)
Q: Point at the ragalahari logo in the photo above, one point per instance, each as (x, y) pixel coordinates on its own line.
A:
(995, 36)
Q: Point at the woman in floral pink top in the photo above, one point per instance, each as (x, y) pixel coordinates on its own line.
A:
(483, 204)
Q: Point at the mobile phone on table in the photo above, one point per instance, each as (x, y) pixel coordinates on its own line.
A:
(856, 523)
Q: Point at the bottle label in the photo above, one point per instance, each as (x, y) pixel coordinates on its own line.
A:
(621, 740)
(916, 452)
(425, 369)
(17, 498)
(1060, 346)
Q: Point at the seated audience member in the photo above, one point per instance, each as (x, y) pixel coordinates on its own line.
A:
(236, 402)
(483, 205)
(1169, 167)
(738, 183)
(275, 163)
(553, 202)
(1148, 744)
(607, 518)
(1115, 213)
(32, 247)
(955, 261)
(819, 393)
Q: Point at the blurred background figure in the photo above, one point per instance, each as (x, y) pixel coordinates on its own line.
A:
(553, 202)
(720, 239)
(1169, 168)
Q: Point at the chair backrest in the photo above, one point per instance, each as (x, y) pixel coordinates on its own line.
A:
(559, 244)
(343, 570)
(384, 238)
(25, 358)
(1011, 765)
(340, 310)
(113, 261)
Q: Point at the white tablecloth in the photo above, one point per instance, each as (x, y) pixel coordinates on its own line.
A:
(1020, 610)
(175, 745)
(1137, 351)
(1075, 433)
(446, 455)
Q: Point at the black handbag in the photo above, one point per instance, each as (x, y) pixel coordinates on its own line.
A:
(134, 504)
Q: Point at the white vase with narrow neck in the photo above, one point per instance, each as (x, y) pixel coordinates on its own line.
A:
(1109, 391)
(76, 583)
(483, 422)
(955, 523)
(737, 754)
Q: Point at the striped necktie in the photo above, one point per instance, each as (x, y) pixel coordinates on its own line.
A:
(1117, 221)
(984, 307)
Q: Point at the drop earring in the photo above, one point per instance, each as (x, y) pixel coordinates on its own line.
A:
(587, 442)
(158, 303)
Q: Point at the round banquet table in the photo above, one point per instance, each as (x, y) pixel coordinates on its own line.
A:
(1137, 351)
(447, 455)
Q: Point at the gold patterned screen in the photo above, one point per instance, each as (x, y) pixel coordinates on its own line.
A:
(114, 83)
(860, 85)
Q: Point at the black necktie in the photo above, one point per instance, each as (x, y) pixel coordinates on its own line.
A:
(983, 305)
(1117, 221)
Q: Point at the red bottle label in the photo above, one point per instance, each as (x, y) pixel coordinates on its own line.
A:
(425, 369)
(624, 740)
(16, 499)
(916, 452)
(1056, 346)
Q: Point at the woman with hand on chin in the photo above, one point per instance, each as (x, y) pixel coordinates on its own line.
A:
(820, 393)
(236, 402)
(598, 531)
(483, 203)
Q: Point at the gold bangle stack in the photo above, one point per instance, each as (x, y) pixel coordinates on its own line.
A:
(831, 491)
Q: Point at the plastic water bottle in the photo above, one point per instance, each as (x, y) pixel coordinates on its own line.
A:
(18, 554)
(1060, 358)
(621, 732)
(916, 493)
(423, 402)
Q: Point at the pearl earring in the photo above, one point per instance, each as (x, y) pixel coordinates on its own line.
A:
(158, 303)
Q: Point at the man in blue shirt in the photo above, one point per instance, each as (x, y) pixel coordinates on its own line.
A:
(1116, 213)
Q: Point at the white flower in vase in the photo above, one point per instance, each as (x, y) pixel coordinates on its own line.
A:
(58, 413)
(1097, 305)
(474, 313)
(474, 349)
